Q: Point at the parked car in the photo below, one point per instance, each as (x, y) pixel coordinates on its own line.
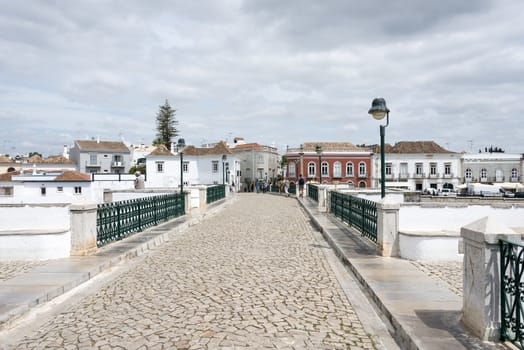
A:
(519, 194)
(509, 194)
(448, 192)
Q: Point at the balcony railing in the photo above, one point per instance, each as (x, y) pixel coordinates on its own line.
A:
(419, 175)
(117, 164)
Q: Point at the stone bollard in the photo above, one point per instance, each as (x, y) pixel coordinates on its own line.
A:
(202, 196)
(481, 297)
(387, 228)
(322, 197)
(83, 228)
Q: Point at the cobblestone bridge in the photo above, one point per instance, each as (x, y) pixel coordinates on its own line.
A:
(255, 275)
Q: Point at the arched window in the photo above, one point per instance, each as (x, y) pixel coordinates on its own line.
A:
(468, 174)
(514, 175)
(483, 174)
(349, 169)
(361, 169)
(311, 169)
(337, 169)
(362, 184)
(325, 169)
(292, 169)
(499, 175)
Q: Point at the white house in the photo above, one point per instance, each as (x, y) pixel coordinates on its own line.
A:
(201, 166)
(417, 165)
(492, 167)
(45, 187)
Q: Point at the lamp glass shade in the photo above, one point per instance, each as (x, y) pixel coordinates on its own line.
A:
(378, 108)
(318, 149)
(181, 143)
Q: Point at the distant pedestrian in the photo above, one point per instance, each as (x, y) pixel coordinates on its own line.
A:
(301, 186)
(286, 187)
(257, 185)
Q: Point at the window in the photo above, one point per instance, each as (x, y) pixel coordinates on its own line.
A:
(185, 167)
(292, 171)
(447, 169)
(59, 189)
(42, 190)
(514, 174)
(433, 168)
(260, 159)
(78, 190)
(337, 169)
(483, 173)
(349, 169)
(388, 169)
(418, 169)
(324, 169)
(214, 166)
(499, 175)
(159, 167)
(404, 170)
(92, 159)
(361, 169)
(468, 174)
(311, 169)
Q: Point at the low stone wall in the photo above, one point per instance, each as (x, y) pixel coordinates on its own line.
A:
(431, 246)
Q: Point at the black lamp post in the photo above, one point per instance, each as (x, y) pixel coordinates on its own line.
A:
(224, 157)
(301, 154)
(180, 146)
(318, 149)
(379, 110)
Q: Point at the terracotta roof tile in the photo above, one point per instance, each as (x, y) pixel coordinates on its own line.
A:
(93, 145)
(219, 149)
(334, 146)
(6, 177)
(161, 150)
(413, 147)
(4, 159)
(57, 160)
(72, 175)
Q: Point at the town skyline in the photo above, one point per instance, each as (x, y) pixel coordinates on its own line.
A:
(274, 73)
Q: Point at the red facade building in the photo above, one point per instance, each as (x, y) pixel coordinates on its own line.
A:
(333, 162)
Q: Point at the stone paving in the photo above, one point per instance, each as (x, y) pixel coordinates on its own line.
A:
(252, 277)
(449, 272)
(9, 269)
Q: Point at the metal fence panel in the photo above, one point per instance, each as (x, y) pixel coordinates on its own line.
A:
(511, 292)
(118, 220)
(357, 212)
(215, 193)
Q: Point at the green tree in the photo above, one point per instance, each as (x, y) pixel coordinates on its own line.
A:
(34, 154)
(165, 125)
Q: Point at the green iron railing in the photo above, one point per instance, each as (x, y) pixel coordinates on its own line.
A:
(214, 193)
(511, 292)
(356, 212)
(275, 188)
(312, 192)
(292, 188)
(117, 220)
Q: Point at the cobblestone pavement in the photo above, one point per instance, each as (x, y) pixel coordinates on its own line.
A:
(449, 272)
(252, 277)
(9, 269)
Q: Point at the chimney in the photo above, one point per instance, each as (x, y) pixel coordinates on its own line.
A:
(65, 154)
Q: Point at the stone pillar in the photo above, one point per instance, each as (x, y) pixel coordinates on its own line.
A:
(202, 196)
(481, 297)
(187, 201)
(83, 228)
(387, 227)
(108, 195)
(322, 197)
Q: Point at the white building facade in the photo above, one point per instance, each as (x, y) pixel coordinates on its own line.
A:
(417, 165)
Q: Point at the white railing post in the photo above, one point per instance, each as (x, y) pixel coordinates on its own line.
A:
(481, 296)
(387, 228)
(83, 229)
(322, 192)
(202, 196)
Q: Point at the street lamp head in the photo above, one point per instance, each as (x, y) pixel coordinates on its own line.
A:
(224, 157)
(301, 153)
(318, 149)
(378, 108)
(181, 144)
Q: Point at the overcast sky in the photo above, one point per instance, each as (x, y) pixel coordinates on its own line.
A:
(274, 72)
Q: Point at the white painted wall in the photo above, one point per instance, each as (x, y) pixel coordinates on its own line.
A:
(417, 218)
(34, 232)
